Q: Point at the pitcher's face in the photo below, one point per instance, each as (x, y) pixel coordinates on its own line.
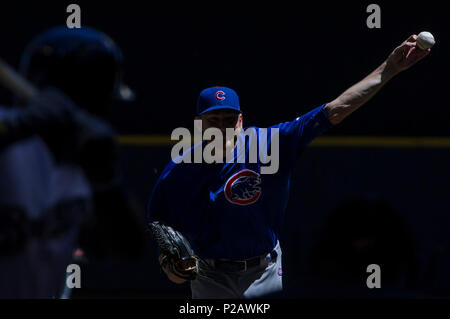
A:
(223, 119)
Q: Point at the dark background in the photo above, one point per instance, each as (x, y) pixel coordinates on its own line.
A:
(281, 59)
(349, 207)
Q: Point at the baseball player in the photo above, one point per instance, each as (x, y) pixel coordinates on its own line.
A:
(44, 196)
(58, 162)
(230, 212)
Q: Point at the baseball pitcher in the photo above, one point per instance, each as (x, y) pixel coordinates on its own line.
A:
(230, 211)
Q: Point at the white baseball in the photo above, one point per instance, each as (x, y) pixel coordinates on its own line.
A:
(425, 40)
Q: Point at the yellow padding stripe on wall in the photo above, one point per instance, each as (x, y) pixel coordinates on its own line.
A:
(332, 141)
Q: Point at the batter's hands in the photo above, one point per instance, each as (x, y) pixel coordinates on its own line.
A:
(405, 55)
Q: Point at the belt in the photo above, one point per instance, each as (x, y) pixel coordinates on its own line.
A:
(242, 265)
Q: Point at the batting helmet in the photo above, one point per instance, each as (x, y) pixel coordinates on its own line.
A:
(83, 62)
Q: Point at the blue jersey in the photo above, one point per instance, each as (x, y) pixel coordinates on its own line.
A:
(230, 210)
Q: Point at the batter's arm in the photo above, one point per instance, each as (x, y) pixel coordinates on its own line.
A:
(403, 57)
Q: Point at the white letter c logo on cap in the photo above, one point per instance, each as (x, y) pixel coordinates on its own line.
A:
(220, 95)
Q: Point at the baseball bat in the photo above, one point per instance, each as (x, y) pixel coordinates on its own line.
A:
(16, 83)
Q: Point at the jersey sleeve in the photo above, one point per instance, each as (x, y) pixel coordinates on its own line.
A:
(296, 135)
(157, 204)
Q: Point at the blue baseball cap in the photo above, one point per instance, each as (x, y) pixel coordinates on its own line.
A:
(217, 98)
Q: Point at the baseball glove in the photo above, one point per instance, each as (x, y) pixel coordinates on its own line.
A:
(177, 254)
